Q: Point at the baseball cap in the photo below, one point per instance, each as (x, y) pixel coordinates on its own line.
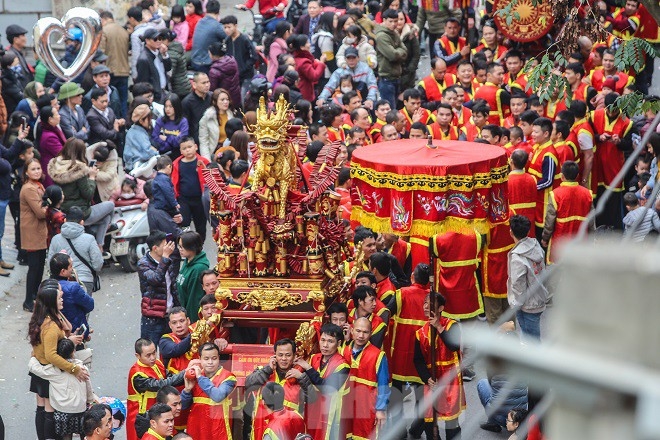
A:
(150, 34)
(351, 52)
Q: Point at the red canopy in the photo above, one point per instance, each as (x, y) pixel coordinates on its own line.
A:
(407, 188)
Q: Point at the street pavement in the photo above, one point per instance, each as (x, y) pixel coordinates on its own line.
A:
(115, 321)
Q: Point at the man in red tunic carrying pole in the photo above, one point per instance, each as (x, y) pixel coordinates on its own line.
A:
(449, 399)
(207, 396)
(407, 309)
(285, 423)
(328, 372)
(281, 369)
(145, 378)
(364, 410)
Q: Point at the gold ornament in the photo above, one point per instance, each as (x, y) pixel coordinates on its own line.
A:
(202, 332)
(306, 338)
(270, 299)
(276, 164)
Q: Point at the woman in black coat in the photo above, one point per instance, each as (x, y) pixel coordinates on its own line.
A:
(12, 89)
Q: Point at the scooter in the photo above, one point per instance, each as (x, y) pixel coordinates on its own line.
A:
(129, 243)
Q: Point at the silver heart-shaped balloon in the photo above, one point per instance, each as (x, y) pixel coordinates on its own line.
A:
(88, 21)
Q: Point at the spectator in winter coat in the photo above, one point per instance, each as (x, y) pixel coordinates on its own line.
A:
(107, 180)
(156, 286)
(52, 139)
(72, 116)
(171, 128)
(12, 87)
(224, 72)
(210, 31)
(179, 25)
(103, 125)
(138, 148)
(28, 105)
(274, 46)
(309, 69)
(154, 63)
(212, 125)
(73, 236)
(188, 283)
(240, 47)
(77, 302)
(354, 38)
(194, 13)
(179, 82)
(78, 182)
(392, 54)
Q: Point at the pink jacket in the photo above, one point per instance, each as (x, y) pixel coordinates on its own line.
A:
(310, 70)
(276, 49)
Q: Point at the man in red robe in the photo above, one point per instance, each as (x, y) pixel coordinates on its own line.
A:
(543, 165)
(568, 209)
(161, 422)
(328, 371)
(408, 317)
(283, 423)
(496, 97)
(456, 261)
(280, 369)
(521, 187)
(364, 299)
(145, 378)
(364, 409)
(446, 372)
(613, 134)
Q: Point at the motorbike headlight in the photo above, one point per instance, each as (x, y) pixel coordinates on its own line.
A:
(120, 224)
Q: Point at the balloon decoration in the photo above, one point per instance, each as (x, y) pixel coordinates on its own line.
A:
(88, 21)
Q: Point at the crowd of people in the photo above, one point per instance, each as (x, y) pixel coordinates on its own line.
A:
(175, 90)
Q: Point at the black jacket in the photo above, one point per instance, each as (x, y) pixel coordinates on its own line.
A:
(243, 52)
(147, 72)
(12, 90)
(100, 128)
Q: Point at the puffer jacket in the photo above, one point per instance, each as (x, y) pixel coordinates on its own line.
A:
(366, 52)
(153, 285)
(107, 180)
(77, 303)
(526, 263)
(209, 132)
(84, 243)
(77, 187)
(224, 74)
(179, 79)
(391, 53)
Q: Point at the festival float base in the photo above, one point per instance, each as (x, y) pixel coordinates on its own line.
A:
(279, 242)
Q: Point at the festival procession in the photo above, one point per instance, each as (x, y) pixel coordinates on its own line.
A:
(281, 219)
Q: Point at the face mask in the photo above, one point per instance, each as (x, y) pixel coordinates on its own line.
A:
(17, 68)
(350, 40)
(346, 89)
(127, 196)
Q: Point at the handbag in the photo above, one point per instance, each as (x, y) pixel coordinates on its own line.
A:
(96, 283)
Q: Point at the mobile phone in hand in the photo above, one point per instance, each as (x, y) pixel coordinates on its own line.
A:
(168, 237)
(81, 330)
(92, 163)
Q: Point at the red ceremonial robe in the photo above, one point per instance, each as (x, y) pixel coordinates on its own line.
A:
(285, 424)
(408, 319)
(324, 415)
(176, 365)
(359, 406)
(522, 196)
(210, 420)
(572, 204)
(140, 402)
(260, 415)
(456, 262)
(451, 400)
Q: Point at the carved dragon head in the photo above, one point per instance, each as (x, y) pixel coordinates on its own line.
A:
(271, 128)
